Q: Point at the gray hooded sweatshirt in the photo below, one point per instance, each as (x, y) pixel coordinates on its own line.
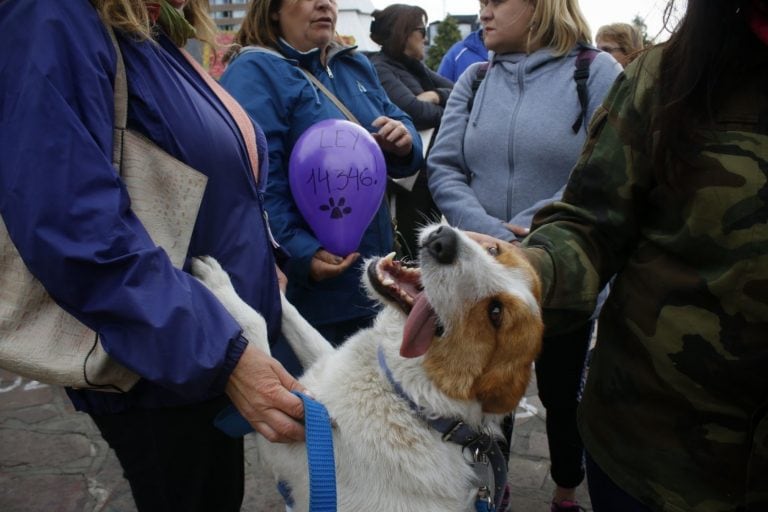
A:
(514, 152)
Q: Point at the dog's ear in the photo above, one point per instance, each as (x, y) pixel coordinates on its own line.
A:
(487, 358)
(504, 380)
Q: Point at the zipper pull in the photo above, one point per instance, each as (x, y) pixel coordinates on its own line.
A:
(271, 237)
(328, 70)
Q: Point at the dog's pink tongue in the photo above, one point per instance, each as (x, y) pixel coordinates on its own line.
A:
(419, 328)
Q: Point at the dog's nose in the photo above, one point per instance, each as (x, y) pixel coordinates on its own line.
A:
(442, 244)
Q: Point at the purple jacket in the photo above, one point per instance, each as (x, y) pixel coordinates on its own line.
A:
(69, 215)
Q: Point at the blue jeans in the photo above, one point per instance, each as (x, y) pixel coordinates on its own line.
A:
(605, 495)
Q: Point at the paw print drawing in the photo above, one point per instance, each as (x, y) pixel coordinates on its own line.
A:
(337, 210)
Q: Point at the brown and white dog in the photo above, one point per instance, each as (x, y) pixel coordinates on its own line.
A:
(457, 337)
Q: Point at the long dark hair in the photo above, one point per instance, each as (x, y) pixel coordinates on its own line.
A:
(704, 61)
(392, 26)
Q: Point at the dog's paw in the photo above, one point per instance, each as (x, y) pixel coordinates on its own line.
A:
(208, 271)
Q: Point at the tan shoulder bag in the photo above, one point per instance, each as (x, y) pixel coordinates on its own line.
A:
(41, 341)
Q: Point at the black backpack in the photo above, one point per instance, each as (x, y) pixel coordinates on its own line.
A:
(580, 76)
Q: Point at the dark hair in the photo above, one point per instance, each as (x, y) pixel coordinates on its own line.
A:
(392, 26)
(703, 62)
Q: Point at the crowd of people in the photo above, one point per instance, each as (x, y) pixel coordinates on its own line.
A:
(617, 169)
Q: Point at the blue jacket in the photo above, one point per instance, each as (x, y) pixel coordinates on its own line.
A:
(274, 90)
(68, 213)
(463, 53)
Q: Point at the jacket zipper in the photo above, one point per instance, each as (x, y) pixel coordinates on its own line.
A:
(513, 123)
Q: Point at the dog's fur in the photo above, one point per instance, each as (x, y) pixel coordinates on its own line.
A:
(485, 303)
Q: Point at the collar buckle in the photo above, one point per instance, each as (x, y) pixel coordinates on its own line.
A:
(448, 436)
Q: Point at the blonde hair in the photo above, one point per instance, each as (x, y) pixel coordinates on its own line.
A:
(130, 16)
(623, 34)
(559, 25)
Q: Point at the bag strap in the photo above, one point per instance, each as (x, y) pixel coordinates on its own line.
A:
(336, 101)
(482, 70)
(243, 122)
(241, 118)
(121, 103)
(580, 76)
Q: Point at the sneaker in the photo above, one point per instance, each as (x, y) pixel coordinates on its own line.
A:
(566, 506)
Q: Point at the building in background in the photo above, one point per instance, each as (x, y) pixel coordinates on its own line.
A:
(354, 24)
(227, 14)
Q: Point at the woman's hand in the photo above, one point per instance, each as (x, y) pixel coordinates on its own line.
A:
(429, 96)
(519, 231)
(261, 389)
(325, 265)
(393, 136)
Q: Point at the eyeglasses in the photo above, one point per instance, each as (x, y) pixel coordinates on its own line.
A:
(421, 30)
(610, 49)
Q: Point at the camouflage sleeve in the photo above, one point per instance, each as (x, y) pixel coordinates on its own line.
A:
(579, 243)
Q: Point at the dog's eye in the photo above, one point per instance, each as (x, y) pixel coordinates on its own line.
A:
(493, 250)
(495, 310)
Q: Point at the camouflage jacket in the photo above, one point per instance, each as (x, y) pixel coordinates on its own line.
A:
(676, 402)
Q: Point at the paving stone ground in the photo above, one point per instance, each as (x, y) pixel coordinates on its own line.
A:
(52, 458)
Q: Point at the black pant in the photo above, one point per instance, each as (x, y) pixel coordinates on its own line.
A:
(559, 371)
(605, 495)
(337, 333)
(175, 459)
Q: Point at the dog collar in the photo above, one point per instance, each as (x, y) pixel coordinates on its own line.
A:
(484, 447)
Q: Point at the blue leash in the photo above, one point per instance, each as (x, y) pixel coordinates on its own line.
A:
(320, 459)
(322, 467)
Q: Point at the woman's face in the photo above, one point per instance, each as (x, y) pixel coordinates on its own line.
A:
(608, 45)
(307, 24)
(506, 24)
(415, 44)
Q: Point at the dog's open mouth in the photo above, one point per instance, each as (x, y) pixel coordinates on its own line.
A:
(402, 284)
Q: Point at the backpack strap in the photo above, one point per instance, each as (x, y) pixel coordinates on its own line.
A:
(482, 70)
(580, 76)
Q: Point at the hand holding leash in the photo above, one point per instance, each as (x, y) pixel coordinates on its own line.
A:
(261, 389)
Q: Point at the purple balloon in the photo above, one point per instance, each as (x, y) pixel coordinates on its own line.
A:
(337, 176)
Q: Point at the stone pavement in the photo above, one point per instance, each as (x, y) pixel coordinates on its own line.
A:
(52, 459)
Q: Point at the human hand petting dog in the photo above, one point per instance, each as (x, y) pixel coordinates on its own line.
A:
(393, 136)
(325, 265)
(261, 389)
(519, 231)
